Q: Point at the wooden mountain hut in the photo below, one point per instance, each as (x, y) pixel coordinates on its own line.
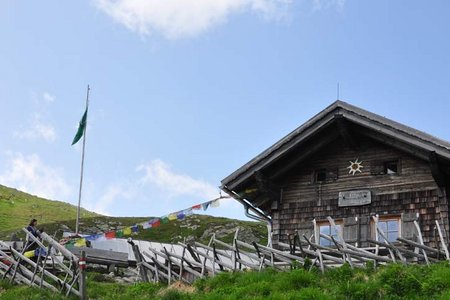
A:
(351, 165)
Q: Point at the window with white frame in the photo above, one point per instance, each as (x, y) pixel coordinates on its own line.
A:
(390, 227)
(327, 229)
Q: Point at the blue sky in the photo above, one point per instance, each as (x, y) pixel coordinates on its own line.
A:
(184, 94)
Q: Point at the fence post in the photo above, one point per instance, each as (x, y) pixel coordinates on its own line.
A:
(138, 257)
(82, 279)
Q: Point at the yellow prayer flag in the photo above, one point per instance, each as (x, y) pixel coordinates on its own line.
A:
(127, 231)
(172, 217)
(29, 254)
(80, 243)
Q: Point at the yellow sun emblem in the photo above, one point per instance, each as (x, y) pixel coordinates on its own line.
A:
(355, 166)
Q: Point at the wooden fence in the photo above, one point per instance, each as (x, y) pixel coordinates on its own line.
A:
(52, 267)
(56, 268)
(197, 260)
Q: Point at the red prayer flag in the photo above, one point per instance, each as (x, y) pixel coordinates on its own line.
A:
(110, 235)
(156, 224)
(198, 206)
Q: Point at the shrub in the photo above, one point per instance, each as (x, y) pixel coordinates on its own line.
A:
(295, 280)
(437, 281)
(401, 281)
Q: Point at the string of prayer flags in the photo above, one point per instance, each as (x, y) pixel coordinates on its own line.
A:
(153, 223)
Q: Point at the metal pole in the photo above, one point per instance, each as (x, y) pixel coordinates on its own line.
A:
(77, 226)
(82, 279)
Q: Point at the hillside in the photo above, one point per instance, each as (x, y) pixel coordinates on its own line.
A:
(198, 227)
(18, 208)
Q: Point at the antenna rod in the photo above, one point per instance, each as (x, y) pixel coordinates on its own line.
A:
(77, 226)
(338, 91)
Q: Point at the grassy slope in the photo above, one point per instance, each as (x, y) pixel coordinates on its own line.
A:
(388, 282)
(17, 208)
(172, 232)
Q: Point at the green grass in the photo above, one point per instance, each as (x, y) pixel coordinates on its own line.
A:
(18, 208)
(192, 226)
(387, 282)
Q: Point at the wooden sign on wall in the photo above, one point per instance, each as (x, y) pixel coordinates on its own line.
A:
(354, 198)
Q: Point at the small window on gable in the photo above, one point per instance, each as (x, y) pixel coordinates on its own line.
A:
(325, 175)
(321, 175)
(326, 229)
(391, 167)
(386, 167)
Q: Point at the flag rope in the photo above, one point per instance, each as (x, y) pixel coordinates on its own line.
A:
(152, 223)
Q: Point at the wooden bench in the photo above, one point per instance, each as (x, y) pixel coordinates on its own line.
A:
(109, 258)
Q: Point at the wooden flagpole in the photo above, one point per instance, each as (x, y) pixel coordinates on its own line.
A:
(77, 226)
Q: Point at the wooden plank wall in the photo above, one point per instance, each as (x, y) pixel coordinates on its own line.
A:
(410, 192)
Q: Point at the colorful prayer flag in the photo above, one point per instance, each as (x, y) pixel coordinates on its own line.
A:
(119, 233)
(197, 207)
(172, 217)
(80, 243)
(135, 229)
(180, 216)
(156, 223)
(164, 220)
(29, 254)
(206, 205)
(215, 203)
(127, 231)
(93, 237)
(146, 225)
(110, 235)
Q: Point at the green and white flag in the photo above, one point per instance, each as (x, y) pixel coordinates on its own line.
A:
(81, 128)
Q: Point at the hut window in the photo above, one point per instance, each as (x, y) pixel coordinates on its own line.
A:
(327, 229)
(391, 167)
(325, 175)
(390, 227)
(321, 175)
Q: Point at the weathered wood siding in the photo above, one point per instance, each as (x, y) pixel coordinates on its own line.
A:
(408, 193)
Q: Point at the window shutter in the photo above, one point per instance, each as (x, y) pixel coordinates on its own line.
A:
(377, 167)
(408, 230)
(332, 174)
(305, 228)
(351, 230)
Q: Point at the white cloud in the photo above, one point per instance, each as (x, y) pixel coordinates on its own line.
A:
(48, 98)
(29, 174)
(112, 193)
(159, 174)
(37, 130)
(181, 18)
(326, 4)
